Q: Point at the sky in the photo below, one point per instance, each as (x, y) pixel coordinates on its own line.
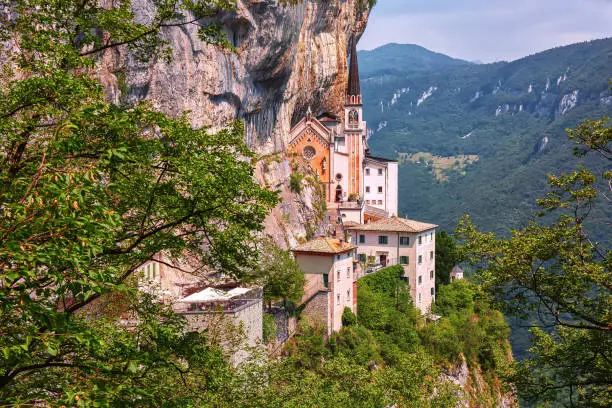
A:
(487, 30)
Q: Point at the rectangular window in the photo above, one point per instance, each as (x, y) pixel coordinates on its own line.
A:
(149, 271)
(404, 260)
(367, 189)
(431, 274)
(432, 291)
(348, 272)
(367, 201)
(325, 280)
(420, 280)
(380, 190)
(154, 272)
(348, 296)
(420, 239)
(338, 273)
(430, 254)
(379, 202)
(419, 298)
(362, 239)
(383, 239)
(367, 171)
(405, 241)
(420, 259)
(362, 257)
(380, 172)
(338, 299)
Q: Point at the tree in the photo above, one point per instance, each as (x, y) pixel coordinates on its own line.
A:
(279, 273)
(447, 257)
(89, 191)
(558, 270)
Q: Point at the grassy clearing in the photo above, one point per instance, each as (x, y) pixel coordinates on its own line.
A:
(441, 166)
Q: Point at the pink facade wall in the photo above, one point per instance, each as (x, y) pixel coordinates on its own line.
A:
(393, 251)
(341, 277)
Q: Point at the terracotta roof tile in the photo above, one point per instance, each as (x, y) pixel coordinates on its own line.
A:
(395, 225)
(325, 246)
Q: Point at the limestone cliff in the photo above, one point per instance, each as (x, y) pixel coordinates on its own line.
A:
(289, 57)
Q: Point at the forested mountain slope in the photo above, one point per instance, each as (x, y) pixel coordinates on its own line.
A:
(480, 139)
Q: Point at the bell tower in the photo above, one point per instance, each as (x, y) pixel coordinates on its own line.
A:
(354, 126)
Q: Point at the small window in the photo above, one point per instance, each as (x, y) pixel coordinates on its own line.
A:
(338, 257)
(379, 202)
(420, 259)
(420, 279)
(348, 296)
(154, 271)
(338, 299)
(380, 190)
(420, 239)
(419, 298)
(383, 239)
(404, 260)
(432, 291)
(338, 273)
(348, 272)
(431, 274)
(325, 280)
(367, 189)
(367, 172)
(430, 254)
(405, 241)
(380, 172)
(362, 239)
(367, 201)
(149, 271)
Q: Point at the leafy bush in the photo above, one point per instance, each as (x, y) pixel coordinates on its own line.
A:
(295, 182)
(348, 317)
(269, 328)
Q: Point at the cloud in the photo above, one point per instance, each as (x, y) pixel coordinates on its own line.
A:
(488, 30)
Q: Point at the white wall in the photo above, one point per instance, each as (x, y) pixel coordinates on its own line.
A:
(392, 188)
(374, 181)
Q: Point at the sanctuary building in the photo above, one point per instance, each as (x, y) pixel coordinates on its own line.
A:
(359, 187)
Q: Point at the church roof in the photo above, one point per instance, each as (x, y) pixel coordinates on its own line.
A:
(395, 225)
(325, 246)
(354, 89)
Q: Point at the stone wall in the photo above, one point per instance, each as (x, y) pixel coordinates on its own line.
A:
(317, 310)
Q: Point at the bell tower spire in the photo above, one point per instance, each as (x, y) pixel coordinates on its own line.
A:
(353, 91)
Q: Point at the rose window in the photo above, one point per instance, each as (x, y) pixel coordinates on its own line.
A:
(309, 152)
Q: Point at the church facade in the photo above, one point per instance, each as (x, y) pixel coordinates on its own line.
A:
(359, 187)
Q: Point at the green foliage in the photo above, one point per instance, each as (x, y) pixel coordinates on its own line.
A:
(348, 317)
(468, 327)
(556, 269)
(279, 274)
(269, 328)
(447, 256)
(89, 191)
(295, 182)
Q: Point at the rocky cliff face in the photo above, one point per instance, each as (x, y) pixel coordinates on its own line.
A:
(289, 57)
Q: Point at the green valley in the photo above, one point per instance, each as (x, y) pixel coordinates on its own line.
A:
(512, 115)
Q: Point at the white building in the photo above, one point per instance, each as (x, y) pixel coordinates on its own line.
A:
(398, 241)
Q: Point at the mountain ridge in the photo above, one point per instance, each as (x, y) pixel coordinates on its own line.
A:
(512, 115)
